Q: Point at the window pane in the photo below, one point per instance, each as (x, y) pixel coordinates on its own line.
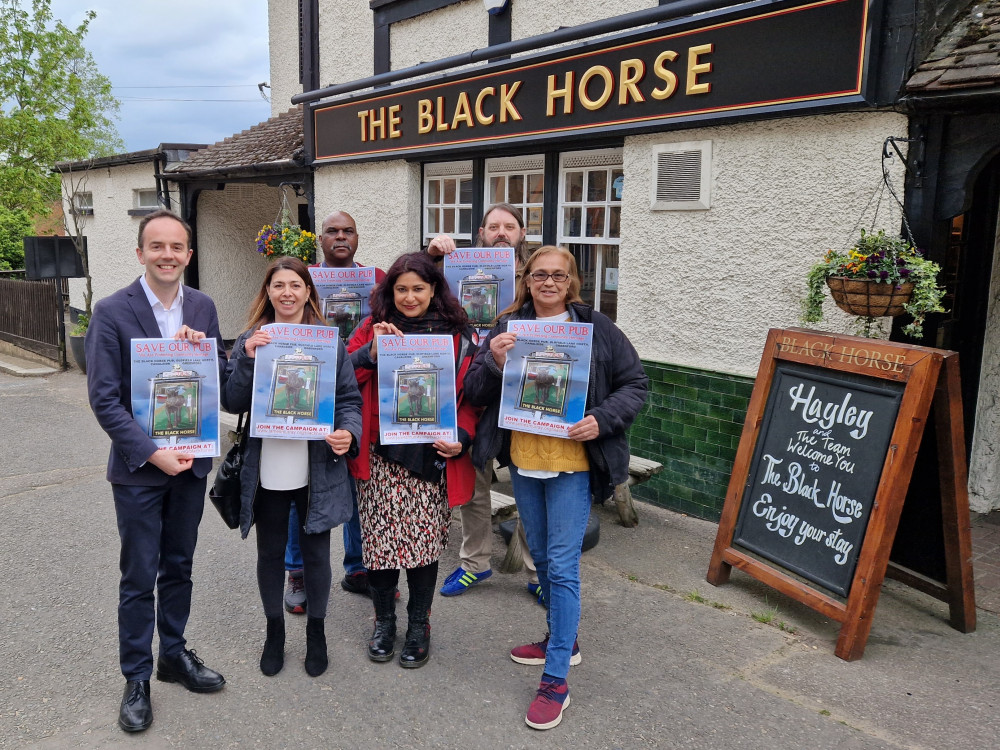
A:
(571, 221)
(449, 191)
(595, 221)
(498, 187)
(536, 186)
(433, 191)
(609, 285)
(597, 185)
(574, 186)
(515, 189)
(584, 255)
(449, 216)
(617, 184)
(465, 191)
(465, 220)
(534, 224)
(615, 222)
(432, 221)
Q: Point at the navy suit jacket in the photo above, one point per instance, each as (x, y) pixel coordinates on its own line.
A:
(117, 320)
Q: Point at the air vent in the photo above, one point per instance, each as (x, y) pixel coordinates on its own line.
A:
(682, 176)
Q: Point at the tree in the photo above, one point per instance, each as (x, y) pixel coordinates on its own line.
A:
(54, 104)
(13, 226)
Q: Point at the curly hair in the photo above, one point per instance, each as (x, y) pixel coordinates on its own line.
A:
(443, 302)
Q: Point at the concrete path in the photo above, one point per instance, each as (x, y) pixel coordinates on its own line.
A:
(669, 661)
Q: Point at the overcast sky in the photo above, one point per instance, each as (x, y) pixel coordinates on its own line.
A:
(192, 50)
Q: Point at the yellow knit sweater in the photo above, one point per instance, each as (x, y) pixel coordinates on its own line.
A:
(546, 453)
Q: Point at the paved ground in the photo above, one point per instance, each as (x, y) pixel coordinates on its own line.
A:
(669, 661)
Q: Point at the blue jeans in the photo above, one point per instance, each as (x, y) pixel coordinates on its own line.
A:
(554, 513)
(352, 539)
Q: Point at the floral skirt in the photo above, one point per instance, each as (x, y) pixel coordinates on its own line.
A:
(404, 519)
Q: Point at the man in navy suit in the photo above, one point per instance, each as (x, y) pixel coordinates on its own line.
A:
(159, 494)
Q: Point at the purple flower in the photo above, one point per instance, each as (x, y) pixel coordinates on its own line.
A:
(883, 275)
(872, 274)
(904, 272)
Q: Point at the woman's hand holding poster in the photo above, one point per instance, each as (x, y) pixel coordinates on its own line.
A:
(416, 388)
(545, 376)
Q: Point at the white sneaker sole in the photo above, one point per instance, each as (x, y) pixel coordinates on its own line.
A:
(532, 662)
(552, 723)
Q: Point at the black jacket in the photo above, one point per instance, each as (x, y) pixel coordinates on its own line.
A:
(616, 393)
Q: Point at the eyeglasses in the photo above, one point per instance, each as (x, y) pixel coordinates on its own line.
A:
(540, 276)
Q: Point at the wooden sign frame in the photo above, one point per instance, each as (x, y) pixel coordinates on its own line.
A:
(931, 378)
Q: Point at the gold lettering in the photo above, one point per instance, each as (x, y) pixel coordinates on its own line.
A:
(598, 71)
(668, 77)
(631, 72)
(695, 68)
(394, 121)
(507, 102)
(425, 120)
(363, 116)
(482, 118)
(462, 112)
(441, 124)
(565, 93)
(376, 123)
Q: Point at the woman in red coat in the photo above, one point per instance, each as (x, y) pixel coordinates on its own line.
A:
(405, 492)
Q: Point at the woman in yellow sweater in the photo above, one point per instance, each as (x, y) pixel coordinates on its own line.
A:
(554, 477)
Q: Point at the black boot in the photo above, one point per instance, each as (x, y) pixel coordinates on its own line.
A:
(273, 657)
(316, 661)
(417, 649)
(382, 645)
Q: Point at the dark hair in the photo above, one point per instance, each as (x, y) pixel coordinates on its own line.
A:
(522, 292)
(159, 214)
(521, 251)
(443, 302)
(262, 311)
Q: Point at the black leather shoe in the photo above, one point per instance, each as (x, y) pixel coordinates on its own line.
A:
(190, 671)
(136, 712)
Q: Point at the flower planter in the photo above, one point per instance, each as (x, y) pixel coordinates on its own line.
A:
(78, 352)
(869, 298)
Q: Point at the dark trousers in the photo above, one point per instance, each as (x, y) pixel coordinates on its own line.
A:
(271, 510)
(158, 527)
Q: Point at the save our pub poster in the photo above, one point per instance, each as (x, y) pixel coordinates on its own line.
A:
(416, 389)
(344, 295)
(175, 394)
(295, 383)
(482, 279)
(545, 376)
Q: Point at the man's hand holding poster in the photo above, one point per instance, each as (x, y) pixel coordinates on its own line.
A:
(295, 383)
(175, 394)
(344, 295)
(482, 279)
(416, 389)
(545, 376)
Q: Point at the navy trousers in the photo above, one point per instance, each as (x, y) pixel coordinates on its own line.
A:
(158, 527)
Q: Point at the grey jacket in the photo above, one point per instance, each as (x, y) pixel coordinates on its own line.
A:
(330, 500)
(616, 392)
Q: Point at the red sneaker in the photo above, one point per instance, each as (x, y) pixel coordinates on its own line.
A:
(534, 653)
(546, 710)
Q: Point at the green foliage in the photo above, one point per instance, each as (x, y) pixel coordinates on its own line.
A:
(14, 225)
(54, 104)
(80, 329)
(880, 259)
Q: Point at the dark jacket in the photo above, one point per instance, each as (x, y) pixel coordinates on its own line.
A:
(330, 500)
(616, 393)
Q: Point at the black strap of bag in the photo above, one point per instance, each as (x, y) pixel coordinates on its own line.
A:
(225, 492)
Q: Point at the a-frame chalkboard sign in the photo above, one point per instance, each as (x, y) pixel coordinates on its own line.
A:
(822, 472)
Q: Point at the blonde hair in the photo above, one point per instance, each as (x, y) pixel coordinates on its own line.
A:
(522, 292)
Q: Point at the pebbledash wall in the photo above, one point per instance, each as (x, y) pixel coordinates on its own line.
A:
(698, 290)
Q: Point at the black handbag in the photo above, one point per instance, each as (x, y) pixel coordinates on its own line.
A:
(225, 492)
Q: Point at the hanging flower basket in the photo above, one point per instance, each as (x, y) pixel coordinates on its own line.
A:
(869, 298)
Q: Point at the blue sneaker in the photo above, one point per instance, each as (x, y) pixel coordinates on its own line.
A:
(535, 589)
(460, 581)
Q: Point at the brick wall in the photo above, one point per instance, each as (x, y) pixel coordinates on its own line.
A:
(691, 423)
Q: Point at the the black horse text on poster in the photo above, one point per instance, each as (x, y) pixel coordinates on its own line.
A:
(815, 471)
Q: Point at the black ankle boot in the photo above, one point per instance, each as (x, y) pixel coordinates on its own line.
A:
(417, 649)
(316, 661)
(273, 657)
(382, 645)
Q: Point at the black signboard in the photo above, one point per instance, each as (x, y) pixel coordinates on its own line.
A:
(815, 471)
(52, 258)
(756, 58)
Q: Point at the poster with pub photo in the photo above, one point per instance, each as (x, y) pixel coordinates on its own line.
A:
(416, 388)
(295, 383)
(344, 296)
(482, 279)
(175, 394)
(545, 376)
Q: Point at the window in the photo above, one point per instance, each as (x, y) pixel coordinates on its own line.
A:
(146, 199)
(83, 204)
(519, 181)
(448, 201)
(589, 216)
